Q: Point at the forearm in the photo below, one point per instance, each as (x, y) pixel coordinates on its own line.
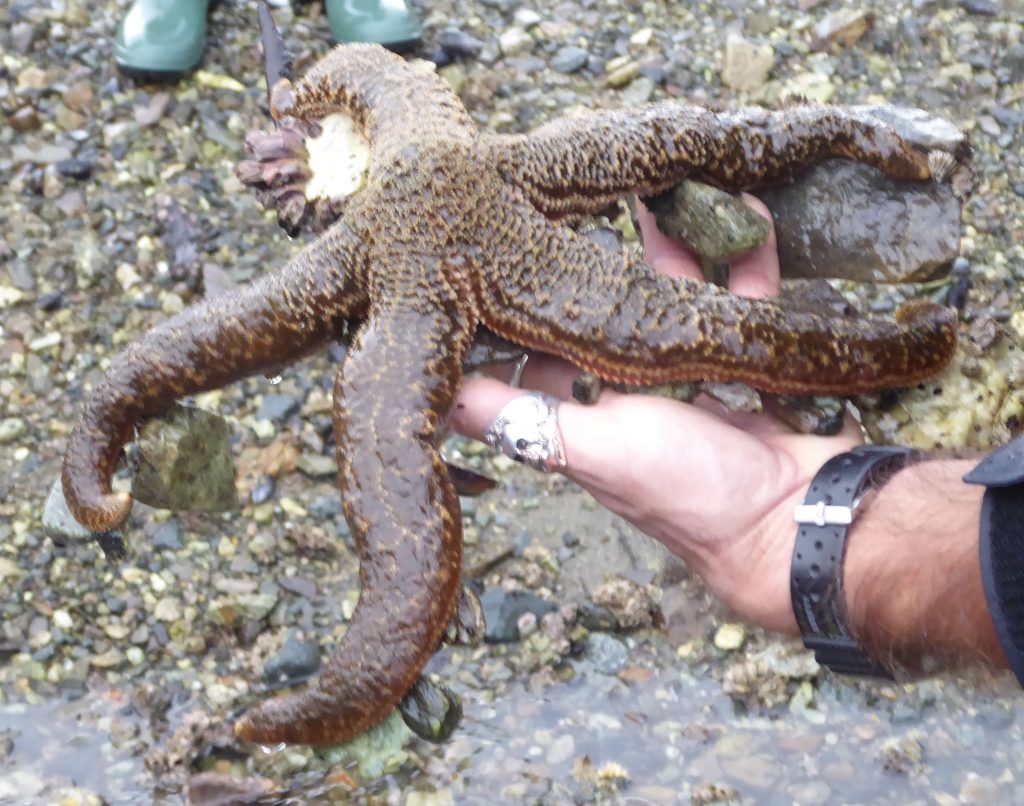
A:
(912, 576)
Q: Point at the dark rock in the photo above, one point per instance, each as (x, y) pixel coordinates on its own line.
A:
(278, 407)
(608, 654)
(843, 219)
(956, 295)
(74, 167)
(986, 8)
(503, 609)
(263, 490)
(50, 301)
(168, 536)
(458, 44)
(296, 660)
(569, 59)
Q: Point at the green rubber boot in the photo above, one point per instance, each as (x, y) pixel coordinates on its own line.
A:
(161, 38)
(391, 23)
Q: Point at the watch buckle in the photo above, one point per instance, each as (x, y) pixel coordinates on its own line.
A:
(822, 514)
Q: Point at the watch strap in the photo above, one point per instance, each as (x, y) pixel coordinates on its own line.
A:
(816, 581)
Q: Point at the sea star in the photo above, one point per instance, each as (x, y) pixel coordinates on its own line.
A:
(454, 229)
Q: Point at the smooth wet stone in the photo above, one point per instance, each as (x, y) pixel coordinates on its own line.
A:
(317, 465)
(458, 44)
(296, 660)
(503, 609)
(843, 219)
(167, 537)
(569, 59)
(278, 408)
(431, 710)
(185, 462)
(12, 428)
(58, 521)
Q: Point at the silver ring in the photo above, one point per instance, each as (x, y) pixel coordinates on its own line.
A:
(517, 372)
(526, 430)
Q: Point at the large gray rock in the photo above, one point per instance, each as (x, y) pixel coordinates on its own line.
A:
(845, 219)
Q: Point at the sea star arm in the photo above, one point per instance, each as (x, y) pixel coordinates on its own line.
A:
(270, 322)
(394, 102)
(616, 317)
(391, 402)
(581, 165)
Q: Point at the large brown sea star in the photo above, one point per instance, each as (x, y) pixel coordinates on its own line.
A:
(456, 229)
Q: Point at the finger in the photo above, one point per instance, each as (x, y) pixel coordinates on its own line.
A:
(596, 438)
(756, 273)
(663, 254)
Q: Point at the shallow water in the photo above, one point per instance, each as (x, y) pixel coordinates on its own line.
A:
(672, 734)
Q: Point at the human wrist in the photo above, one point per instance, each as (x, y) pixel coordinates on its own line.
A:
(912, 578)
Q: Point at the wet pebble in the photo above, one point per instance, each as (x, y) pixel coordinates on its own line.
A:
(608, 654)
(12, 428)
(986, 8)
(74, 168)
(569, 59)
(167, 537)
(514, 41)
(278, 408)
(263, 490)
(458, 44)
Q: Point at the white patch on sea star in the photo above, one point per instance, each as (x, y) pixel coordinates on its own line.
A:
(339, 159)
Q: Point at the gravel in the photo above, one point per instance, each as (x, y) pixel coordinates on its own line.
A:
(173, 640)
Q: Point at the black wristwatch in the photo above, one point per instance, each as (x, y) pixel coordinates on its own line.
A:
(816, 582)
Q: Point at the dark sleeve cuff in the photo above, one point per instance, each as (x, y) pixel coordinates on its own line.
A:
(1002, 568)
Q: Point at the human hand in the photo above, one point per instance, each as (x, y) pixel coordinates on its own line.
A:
(717, 488)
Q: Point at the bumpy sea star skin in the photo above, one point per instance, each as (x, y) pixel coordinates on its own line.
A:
(456, 229)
